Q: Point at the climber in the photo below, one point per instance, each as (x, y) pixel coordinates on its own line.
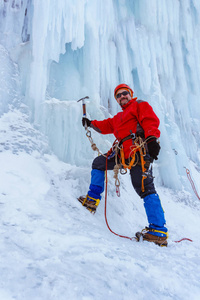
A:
(137, 118)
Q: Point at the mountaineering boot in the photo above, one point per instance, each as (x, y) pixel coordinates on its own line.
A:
(90, 203)
(92, 200)
(148, 234)
(156, 232)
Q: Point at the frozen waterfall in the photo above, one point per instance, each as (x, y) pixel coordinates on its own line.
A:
(53, 52)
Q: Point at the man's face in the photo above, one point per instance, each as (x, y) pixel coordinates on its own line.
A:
(123, 99)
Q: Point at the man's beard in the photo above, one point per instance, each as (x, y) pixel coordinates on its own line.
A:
(125, 102)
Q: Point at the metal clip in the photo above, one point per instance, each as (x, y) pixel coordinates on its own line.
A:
(123, 171)
(88, 133)
(133, 136)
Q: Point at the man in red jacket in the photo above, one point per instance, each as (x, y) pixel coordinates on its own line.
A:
(136, 119)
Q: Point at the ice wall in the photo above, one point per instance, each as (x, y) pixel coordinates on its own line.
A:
(69, 49)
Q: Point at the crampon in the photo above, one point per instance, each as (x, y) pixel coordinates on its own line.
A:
(90, 204)
(145, 235)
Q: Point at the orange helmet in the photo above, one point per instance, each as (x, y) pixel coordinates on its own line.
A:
(123, 86)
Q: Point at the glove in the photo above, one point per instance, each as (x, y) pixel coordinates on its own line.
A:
(86, 121)
(154, 148)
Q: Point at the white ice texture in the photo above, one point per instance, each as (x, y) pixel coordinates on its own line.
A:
(65, 50)
(53, 52)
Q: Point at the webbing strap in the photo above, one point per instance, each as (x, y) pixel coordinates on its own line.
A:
(128, 137)
(155, 230)
(84, 200)
(123, 159)
(143, 171)
(131, 164)
(96, 201)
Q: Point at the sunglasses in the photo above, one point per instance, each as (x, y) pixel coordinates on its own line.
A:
(122, 94)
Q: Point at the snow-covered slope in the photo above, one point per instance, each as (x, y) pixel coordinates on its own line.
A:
(66, 50)
(51, 54)
(52, 248)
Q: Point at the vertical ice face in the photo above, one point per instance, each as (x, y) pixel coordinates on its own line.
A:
(9, 81)
(15, 27)
(70, 49)
(14, 22)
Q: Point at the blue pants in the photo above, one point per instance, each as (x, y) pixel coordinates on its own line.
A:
(153, 208)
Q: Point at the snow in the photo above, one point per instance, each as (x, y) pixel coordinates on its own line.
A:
(51, 54)
(52, 248)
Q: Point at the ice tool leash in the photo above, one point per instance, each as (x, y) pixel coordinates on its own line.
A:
(88, 132)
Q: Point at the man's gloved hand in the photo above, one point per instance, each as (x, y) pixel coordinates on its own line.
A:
(86, 121)
(153, 147)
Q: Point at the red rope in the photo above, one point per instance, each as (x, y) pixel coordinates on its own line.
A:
(105, 213)
(183, 239)
(195, 191)
(192, 183)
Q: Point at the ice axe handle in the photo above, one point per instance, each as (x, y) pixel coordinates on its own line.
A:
(84, 108)
(84, 112)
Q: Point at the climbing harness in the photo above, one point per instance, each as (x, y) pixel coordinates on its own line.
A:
(139, 146)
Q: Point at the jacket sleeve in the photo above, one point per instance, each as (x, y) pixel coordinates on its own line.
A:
(148, 119)
(104, 127)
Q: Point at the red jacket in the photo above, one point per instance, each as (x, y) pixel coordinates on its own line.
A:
(126, 122)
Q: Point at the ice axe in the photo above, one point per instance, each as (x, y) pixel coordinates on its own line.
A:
(88, 132)
(84, 108)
